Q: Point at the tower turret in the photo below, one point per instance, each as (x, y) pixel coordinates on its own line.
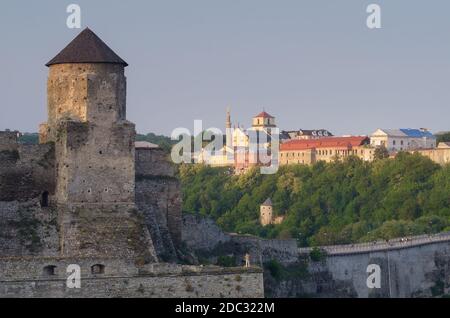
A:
(87, 121)
(94, 152)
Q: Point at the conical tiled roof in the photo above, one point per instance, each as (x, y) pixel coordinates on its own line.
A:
(87, 47)
(268, 202)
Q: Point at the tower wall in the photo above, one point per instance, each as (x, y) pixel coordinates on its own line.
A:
(95, 164)
(266, 215)
(93, 93)
(93, 141)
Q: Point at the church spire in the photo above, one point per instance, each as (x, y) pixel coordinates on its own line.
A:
(228, 121)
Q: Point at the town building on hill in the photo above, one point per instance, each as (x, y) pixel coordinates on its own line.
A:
(242, 145)
(444, 145)
(308, 152)
(403, 139)
(440, 155)
(304, 134)
(263, 121)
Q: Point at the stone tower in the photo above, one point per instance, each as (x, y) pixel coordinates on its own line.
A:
(266, 213)
(87, 122)
(94, 152)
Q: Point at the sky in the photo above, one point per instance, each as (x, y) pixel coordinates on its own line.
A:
(310, 63)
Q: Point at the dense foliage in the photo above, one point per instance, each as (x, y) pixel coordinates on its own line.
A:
(335, 203)
(445, 137)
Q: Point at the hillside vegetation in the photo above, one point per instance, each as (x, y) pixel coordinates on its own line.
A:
(336, 203)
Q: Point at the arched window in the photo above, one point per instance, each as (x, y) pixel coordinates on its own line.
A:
(98, 269)
(44, 199)
(49, 270)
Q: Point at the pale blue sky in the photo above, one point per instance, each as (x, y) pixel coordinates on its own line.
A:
(311, 63)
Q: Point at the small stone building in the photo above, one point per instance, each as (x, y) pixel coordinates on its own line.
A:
(266, 215)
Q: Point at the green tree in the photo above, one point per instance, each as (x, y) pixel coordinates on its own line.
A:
(381, 153)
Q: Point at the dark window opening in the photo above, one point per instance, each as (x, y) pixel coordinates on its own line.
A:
(98, 269)
(50, 270)
(44, 199)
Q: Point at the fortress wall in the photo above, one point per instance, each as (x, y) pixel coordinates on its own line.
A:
(27, 229)
(203, 234)
(200, 233)
(158, 196)
(29, 175)
(8, 140)
(96, 164)
(88, 231)
(409, 272)
(153, 162)
(25, 278)
(159, 201)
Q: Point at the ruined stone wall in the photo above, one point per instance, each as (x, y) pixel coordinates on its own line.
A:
(28, 229)
(26, 172)
(105, 231)
(27, 278)
(203, 235)
(153, 162)
(8, 140)
(158, 197)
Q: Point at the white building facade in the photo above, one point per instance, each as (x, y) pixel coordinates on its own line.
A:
(403, 139)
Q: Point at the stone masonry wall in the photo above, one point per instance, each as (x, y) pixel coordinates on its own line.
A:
(27, 278)
(27, 172)
(203, 235)
(27, 229)
(158, 196)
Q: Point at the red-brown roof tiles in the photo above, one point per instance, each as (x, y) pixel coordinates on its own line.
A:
(264, 115)
(333, 142)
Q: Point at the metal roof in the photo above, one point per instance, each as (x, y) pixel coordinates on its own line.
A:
(417, 133)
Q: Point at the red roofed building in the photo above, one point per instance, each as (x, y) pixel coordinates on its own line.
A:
(263, 121)
(325, 149)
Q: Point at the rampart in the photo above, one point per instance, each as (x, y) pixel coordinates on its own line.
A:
(40, 277)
